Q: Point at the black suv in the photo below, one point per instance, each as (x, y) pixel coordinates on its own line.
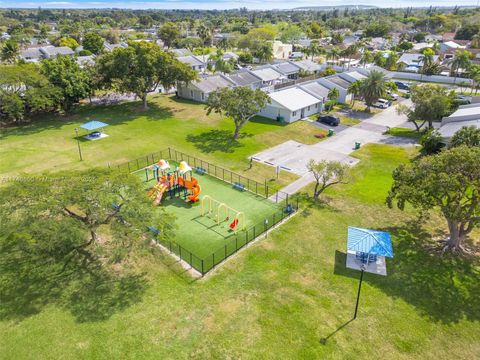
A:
(329, 119)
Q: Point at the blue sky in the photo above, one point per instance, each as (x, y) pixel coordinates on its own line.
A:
(218, 4)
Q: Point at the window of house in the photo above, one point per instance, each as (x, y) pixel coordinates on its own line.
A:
(191, 93)
(203, 96)
(308, 109)
(316, 106)
(294, 113)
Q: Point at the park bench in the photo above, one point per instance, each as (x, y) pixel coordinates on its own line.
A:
(239, 186)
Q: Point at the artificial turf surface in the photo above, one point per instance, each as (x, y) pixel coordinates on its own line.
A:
(201, 235)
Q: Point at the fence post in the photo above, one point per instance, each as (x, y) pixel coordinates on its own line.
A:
(266, 189)
(225, 251)
(202, 268)
(213, 259)
(180, 251)
(236, 243)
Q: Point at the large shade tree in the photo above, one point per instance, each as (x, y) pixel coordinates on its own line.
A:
(24, 91)
(140, 68)
(62, 230)
(169, 33)
(240, 104)
(93, 42)
(449, 182)
(66, 74)
(430, 103)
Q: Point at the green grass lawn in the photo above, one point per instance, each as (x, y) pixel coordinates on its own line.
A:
(50, 144)
(201, 235)
(405, 132)
(277, 299)
(280, 297)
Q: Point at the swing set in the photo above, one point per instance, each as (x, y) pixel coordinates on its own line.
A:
(221, 212)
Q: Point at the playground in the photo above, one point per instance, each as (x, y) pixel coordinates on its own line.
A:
(209, 212)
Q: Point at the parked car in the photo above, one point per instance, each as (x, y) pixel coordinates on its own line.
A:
(402, 85)
(463, 100)
(392, 95)
(329, 120)
(382, 103)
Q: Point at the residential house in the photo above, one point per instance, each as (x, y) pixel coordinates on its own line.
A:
(291, 104)
(46, 52)
(335, 81)
(288, 68)
(181, 52)
(316, 89)
(199, 90)
(269, 75)
(466, 115)
(421, 45)
(448, 36)
(245, 77)
(451, 46)
(85, 60)
(413, 62)
(109, 47)
(308, 67)
(352, 76)
(281, 50)
(431, 38)
(193, 61)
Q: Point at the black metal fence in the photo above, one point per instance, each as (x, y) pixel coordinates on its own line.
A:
(234, 242)
(258, 188)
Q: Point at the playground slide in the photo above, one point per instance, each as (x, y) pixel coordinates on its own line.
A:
(160, 190)
(195, 192)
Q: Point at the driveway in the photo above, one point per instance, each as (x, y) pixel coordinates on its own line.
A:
(293, 156)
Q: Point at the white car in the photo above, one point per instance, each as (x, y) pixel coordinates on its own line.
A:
(392, 95)
(382, 103)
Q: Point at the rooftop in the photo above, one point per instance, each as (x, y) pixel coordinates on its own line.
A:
(212, 83)
(267, 73)
(294, 98)
(244, 78)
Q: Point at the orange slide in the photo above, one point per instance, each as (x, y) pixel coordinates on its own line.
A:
(195, 192)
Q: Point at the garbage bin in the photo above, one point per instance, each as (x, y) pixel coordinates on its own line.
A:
(330, 132)
(357, 145)
(281, 119)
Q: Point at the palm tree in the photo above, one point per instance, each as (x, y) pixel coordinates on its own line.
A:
(474, 74)
(373, 87)
(461, 61)
(264, 52)
(204, 32)
(350, 52)
(10, 51)
(354, 89)
(427, 62)
(334, 54)
(367, 57)
(314, 48)
(332, 96)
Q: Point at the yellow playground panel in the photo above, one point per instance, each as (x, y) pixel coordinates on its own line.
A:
(221, 212)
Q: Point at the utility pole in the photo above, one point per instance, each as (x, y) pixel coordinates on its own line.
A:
(359, 289)
(78, 144)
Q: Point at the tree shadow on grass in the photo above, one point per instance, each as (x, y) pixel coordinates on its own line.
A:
(444, 288)
(307, 203)
(216, 140)
(117, 114)
(90, 294)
